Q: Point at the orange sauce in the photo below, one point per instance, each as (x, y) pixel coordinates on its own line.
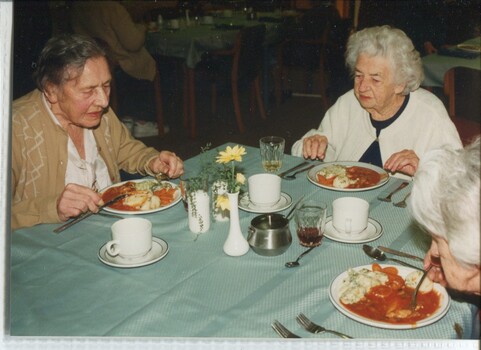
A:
(166, 196)
(389, 303)
(365, 177)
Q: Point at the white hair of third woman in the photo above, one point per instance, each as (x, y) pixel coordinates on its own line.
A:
(392, 44)
(445, 199)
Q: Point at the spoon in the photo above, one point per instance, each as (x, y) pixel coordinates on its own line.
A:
(378, 254)
(296, 262)
(293, 176)
(415, 294)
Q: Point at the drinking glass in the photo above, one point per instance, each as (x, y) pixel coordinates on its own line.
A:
(272, 151)
(311, 221)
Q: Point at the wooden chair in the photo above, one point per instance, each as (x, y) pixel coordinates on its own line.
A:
(242, 63)
(462, 88)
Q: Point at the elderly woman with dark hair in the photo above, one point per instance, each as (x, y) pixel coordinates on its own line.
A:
(67, 143)
(386, 120)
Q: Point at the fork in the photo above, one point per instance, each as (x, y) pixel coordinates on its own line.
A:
(310, 326)
(402, 204)
(389, 196)
(282, 331)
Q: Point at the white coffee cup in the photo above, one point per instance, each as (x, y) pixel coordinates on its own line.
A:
(264, 189)
(350, 215)
(131, 238)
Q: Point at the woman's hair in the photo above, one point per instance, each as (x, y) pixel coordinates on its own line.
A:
(63, 54)
(394, 45)
(445, 199)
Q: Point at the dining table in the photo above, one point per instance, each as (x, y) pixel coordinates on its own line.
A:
(195, 38)
(59, 287)
(437, 64)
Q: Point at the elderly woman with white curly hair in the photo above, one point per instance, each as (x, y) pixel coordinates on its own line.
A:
(386, 120)
(445, 202)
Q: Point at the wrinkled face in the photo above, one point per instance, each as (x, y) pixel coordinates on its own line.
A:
(455, 274)
(83, 99)
(374, 84)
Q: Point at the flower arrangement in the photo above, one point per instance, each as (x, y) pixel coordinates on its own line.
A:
(235, 180)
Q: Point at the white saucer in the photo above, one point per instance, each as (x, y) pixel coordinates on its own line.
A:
(160, 248)
(284, 203)
(373, 231)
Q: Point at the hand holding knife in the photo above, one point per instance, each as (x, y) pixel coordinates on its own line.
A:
(87, 214)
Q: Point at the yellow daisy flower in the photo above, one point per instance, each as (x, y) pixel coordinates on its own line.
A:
(231, 154)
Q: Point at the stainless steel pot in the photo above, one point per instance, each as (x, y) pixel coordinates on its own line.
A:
(269, 234)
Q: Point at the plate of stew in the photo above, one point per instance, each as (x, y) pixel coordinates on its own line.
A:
(348, 176)
(379, 296)
(144, 196)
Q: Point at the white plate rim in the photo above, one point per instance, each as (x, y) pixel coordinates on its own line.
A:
(266, 209)
(141, 212)
(311, 175)
(377, 225)
(164, 250)
(403, 271)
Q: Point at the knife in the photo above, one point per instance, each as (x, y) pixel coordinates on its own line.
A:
(87, 214)
(398, 253)
(292, 169)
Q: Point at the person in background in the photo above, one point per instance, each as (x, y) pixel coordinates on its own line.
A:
(110, 22)
(386, 120)
(445, 201)
(66, 141)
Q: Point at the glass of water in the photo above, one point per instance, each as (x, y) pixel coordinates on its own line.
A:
(272, 151)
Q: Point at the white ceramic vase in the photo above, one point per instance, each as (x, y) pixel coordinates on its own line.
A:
(199, 211)
(236, 244)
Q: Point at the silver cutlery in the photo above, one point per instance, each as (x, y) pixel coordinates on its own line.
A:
(311, 327)
(295, 263)
(398, 253)
(110, 215)
(377, 254)
(415, 294)
(399, 188)
(282, 331)
(293, 176)
(293, 168)
(402, 204)
(87, 214)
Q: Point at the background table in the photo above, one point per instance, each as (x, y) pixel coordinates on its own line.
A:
(435, 66)
(60, 288)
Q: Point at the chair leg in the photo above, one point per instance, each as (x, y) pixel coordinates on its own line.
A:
(235, 99)
(159, 114)
(260, 102)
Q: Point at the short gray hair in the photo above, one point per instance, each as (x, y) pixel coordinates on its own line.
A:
(445, 199)
(392, 44)
(63, 53)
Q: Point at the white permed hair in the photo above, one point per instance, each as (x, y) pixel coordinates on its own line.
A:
(394, 45)
(445, 199)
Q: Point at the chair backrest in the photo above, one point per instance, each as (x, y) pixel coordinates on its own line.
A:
(462, 88)
(248, 49)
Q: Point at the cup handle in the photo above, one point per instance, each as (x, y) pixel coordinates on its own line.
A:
(112, 248)
(348, 226)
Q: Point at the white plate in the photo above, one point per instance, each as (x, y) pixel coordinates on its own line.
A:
(284, 203)
(372, 232)
(469, 47)
(311, 175)
(334, 296)
(176, 200)
(160, 248)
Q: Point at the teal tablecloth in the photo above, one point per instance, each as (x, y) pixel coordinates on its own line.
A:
(60, 288)
(435, 65)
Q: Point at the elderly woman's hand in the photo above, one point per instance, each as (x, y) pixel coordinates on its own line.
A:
(405, 162)
(167, 163)
(75, 200)
(314, 147)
